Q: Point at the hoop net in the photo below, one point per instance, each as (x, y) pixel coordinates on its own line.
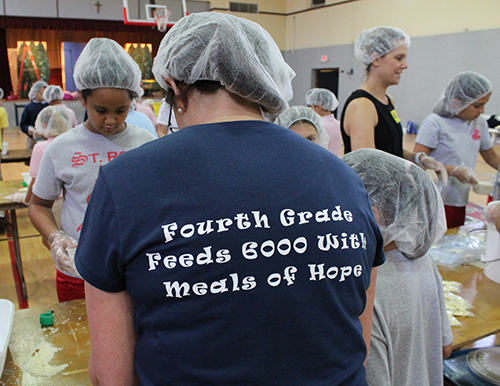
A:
(161, 18)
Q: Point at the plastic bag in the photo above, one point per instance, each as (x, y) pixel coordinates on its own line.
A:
(455, 304)
(453, 250)
(452, 286)
(453, 321)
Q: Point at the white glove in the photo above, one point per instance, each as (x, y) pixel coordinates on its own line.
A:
(432, 174)
(60, 243)
(464, 174)
(18, 197)
(31, 131)
(427, 162)
(492, 212)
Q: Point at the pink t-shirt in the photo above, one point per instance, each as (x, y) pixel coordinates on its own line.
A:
(36, 156)
(332, 127)
(146, 110)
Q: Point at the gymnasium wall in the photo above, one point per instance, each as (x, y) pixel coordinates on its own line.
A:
(448, 36)
(432, 60)
(340, 21)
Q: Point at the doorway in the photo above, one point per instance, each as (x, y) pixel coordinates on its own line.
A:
(327, 78)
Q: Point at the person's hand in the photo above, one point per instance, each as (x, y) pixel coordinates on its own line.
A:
(18, 197)
(60, 243)
(428, 162)
(491, 214)
(31, 131)
(464, 174)
(432, 174)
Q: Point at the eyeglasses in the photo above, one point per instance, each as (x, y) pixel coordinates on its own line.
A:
(172, 129)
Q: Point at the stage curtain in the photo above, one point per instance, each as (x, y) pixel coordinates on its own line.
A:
(56, 31)
(5, 83)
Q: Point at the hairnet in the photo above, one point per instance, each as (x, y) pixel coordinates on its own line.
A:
(103, 63)
(374, 43)
(302, 113)
(37, 86)
(147, 102)
(236, 52)
(51, 122)
(464, 89)
(410, 206)
(1, 94)
(53, 93)
(322, 97)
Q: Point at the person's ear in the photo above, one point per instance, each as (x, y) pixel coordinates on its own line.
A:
(82, 100)
(171, 83)
(180, 103)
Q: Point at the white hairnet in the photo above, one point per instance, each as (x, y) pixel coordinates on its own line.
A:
(52, 121)
(464, 89)
(236, 52)
(103, 63)
(374, 43)
(410, 206)
(322, 97)
(147, 102)
(302, 113)
(492, 212)
(1, 94)
(37, 86)
(53, 93)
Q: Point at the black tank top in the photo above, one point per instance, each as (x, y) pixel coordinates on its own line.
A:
(388, 132)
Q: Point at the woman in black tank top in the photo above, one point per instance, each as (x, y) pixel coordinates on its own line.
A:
(369, 119)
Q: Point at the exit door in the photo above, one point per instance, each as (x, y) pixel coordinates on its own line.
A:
(327, 78)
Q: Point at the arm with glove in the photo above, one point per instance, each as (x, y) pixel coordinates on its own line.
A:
(42, 217)
(429, 164)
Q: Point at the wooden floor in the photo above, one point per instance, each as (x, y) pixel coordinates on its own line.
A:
(39, 270)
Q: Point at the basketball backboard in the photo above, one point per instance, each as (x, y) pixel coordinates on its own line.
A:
(142, 12)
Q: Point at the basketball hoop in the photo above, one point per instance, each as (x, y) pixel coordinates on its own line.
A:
(161, 18)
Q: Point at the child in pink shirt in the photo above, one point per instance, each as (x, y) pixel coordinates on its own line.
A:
(324, 102)
(51, 122)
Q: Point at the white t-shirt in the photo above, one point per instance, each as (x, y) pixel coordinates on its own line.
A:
(163, 114)
(455, 142)
(71, 163)
(410, 324)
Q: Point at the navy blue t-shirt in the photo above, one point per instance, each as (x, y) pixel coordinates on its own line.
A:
(247, 251)
(29, 115)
